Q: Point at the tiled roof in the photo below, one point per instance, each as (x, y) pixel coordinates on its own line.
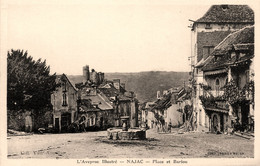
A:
(242, 36)
(164, 102)
(109, 92)
(209, 39)
(241, 39)
(228, 13)
(203, 62)
(99, 101)
(124, 98)
(59, 77)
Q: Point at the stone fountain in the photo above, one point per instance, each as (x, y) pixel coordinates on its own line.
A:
(126, 133)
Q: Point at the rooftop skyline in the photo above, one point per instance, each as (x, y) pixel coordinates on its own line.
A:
(109, 37)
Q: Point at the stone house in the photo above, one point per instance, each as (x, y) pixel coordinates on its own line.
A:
(148, 115)
(207, 32)
(64, 102)
(94, 112)
(102, 103)
(94, 103)
(184, 103)
(228, 87)
(124, 102)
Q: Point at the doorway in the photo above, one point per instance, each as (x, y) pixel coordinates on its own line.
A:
(57, 125)
(244, 116)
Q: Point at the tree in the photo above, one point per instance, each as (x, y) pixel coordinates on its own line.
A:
(29, 83)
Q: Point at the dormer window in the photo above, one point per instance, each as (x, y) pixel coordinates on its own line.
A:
(207, 50)
(224, 7)
(208, 26)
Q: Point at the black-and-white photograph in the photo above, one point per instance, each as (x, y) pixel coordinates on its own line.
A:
(128, 82)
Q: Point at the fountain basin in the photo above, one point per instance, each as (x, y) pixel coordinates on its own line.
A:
(131, 134)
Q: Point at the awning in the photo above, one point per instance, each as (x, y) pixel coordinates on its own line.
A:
(215, 72)
(217, 110)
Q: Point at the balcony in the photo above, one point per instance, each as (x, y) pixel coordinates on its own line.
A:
(216, 93)
(213, 93)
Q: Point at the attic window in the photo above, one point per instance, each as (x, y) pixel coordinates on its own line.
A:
(224, 7)
(208, 26)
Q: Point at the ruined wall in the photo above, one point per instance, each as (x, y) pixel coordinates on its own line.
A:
(94, 76)
(86, 74)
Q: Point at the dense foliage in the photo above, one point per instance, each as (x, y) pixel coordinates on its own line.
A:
(233, 95)
(29, 83)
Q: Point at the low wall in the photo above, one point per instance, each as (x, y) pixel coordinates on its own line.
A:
(131, 134)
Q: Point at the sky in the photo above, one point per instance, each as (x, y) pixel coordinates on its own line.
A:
(110, 36)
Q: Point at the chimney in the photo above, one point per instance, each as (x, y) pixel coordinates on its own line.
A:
(116, 83)
(86, 74)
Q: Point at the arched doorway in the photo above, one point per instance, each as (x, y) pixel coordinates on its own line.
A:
(215, 123)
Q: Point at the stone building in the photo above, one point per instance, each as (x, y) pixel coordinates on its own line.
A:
(94, 111)
(64, 102)
(148, 115)
(207, 32)
(102, 103)
(228, 88)
(92, 104)
(124, 102)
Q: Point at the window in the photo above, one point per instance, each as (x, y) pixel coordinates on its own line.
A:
(208, 26)
(64, 96)
(217, 87)
(64, 87)
(217, 82)
(207, 50)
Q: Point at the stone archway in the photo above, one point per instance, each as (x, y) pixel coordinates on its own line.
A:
(215, 122)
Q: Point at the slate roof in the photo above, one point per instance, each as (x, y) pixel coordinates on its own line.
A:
(110, 91)
(209, 39)
(59, 77)
(99, 101)
(228, 14)
(242, 36)
(164, 102)
(241, 39)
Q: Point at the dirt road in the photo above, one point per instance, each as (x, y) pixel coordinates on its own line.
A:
(96, 145)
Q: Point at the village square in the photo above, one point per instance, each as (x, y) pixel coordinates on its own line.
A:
(208, 114)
